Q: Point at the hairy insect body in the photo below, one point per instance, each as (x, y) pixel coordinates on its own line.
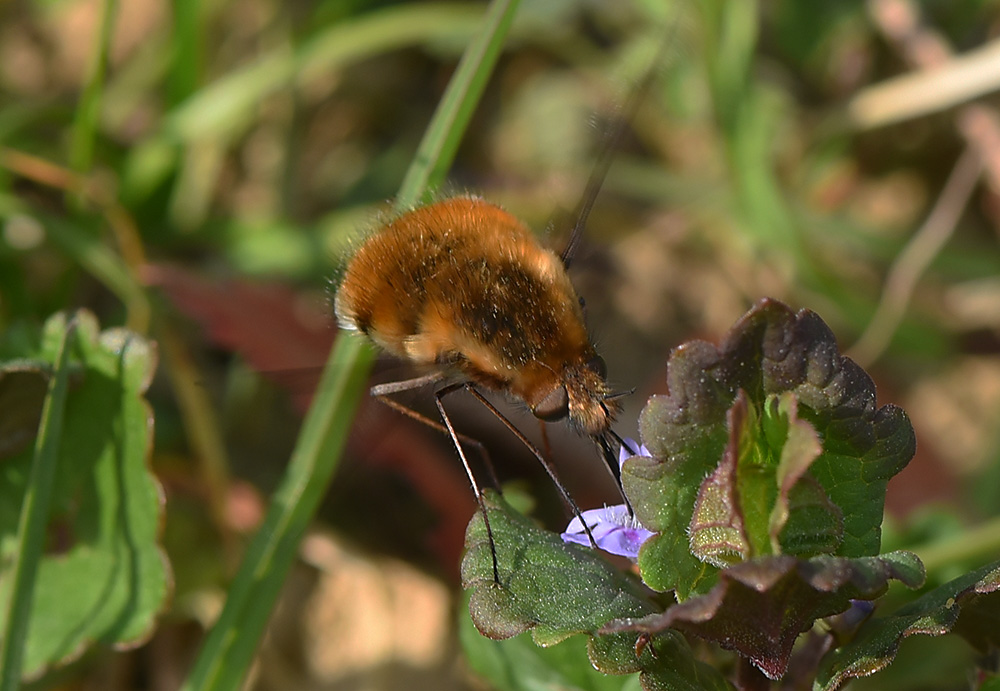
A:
(463, 284)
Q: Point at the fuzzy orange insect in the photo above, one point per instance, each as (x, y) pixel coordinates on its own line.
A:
(464, 285)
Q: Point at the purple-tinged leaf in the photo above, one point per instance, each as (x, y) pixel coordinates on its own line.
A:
(979, 622)
(968, 606)
(686, 433)
(759, 607)
(813, 453)
(717, 535)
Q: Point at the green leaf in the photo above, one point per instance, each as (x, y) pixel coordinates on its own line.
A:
(556, 590)
(547, 586)
(686, 433)
(759, 607)
(969, 606)
(803, 522)
(665, 662)
(517, 664)
(34, 512)
(770, 443)
(103, 577)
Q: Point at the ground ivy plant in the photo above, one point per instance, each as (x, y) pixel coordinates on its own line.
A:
(80, 511)
(757, 497)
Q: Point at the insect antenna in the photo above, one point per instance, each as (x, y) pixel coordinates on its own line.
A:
(615, 395)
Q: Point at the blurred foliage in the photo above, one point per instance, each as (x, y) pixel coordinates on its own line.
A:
(249, 144)
(99, 524)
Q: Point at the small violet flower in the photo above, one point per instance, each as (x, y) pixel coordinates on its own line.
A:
(614, 530)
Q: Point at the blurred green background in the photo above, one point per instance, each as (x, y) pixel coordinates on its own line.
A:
(200, 172)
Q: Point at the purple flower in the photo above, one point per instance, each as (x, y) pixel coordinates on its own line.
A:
(625, 451)
(613, 528)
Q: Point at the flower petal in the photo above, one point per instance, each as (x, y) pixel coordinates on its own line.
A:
(625, 451)
(614, 531)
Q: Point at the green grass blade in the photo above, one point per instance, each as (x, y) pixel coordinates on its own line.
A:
(34, 517)
(228, 651)
(218, 109)
(88, 112)
(437, 150)
(186, 40)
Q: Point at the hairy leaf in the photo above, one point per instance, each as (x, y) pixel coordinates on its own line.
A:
(804, 521)
(552, 588)
(556, 590)
(968, 606)
(771, 443)
(717, 532)
(759, 607)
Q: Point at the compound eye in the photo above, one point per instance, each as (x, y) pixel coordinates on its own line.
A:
(555, 406)
(597, 366)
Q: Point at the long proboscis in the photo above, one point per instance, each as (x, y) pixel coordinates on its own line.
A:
(611, 460)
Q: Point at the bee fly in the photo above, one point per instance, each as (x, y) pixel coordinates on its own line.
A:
(464, 287)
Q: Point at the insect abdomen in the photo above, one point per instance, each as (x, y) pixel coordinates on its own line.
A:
(462, 281)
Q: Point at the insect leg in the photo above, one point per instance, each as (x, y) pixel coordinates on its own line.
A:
(438, 395)
(535, 452)
(392, 387)
(383, 391)
(546, 449)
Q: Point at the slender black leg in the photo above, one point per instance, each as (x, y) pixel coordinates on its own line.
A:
(468, 386)
(438, 395)
(383, 391)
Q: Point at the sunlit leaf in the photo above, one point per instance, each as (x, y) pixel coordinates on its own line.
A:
(771, 443)
(104, 576)
(556, 590)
